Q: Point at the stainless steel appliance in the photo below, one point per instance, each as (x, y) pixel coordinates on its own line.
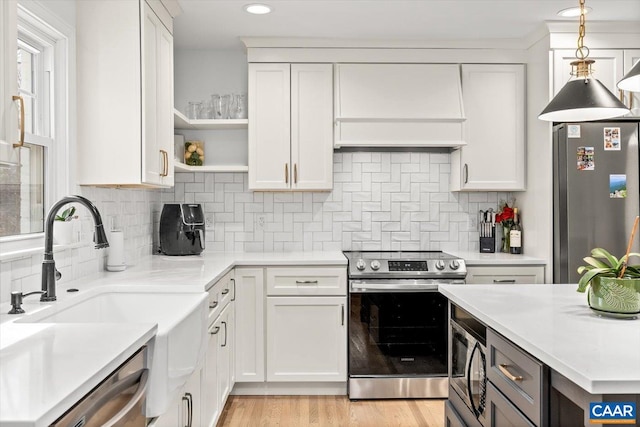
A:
(182, 229)
(117, 401)
(398, 323)
(467, 367)
(596, 191)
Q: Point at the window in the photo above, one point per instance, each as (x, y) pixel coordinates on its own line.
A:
(41, 173)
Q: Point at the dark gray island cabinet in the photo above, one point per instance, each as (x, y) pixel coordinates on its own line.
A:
(556, 379)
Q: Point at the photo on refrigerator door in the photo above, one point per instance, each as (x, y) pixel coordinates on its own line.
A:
(612, 139)
(617, 186)
(586, 161)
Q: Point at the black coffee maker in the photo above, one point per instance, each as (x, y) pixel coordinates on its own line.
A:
(182, 229)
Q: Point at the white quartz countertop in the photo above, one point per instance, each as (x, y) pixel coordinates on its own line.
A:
(498, 258)
(45, 368)
(554, 324)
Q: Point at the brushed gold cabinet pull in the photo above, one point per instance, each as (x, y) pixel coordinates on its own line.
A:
(505, 371)
(21, 142)
(295, 173)
(286, 173)
(165, 163)
(621, 95)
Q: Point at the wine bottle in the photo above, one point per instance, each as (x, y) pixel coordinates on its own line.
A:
(515, 234)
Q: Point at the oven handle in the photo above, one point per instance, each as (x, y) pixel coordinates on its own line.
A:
(362, 287)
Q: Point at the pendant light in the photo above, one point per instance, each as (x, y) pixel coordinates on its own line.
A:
(631, 81)
(583, 98)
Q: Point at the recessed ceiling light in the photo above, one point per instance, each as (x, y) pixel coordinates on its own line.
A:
(572, 12)
(258, 9)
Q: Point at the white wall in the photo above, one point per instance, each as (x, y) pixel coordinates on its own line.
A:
(537, 201)
(380, 200)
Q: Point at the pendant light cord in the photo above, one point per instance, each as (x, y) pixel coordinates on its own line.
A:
(580, 52)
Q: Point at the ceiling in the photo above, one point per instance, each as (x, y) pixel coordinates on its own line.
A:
(219, 24)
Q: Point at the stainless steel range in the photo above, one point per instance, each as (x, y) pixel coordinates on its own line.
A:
(398, 323)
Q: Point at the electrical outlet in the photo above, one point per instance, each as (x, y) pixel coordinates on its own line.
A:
(208, 221)
(260, 221)
(473, 222)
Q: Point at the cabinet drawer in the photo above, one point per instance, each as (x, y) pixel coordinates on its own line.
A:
(505, 275)
(220, 294)
(307, 281)
(518, 376)
(501, 412)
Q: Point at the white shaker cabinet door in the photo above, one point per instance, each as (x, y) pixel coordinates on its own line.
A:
(494, 157)
(312, 126)
(269, 126)
(157, 98)
(607, 68)
(211, 408)
(249, 330)
(306, 339)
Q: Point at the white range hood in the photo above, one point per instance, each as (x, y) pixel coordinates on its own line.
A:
(398, 105)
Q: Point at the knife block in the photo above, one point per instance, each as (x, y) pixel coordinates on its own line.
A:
(487, 245)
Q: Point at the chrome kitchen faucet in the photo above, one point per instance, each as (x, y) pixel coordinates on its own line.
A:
(49, 272)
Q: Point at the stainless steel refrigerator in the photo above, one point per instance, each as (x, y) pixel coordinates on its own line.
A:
(596, 191)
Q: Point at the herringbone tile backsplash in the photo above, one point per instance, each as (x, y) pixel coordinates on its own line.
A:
(389, 200)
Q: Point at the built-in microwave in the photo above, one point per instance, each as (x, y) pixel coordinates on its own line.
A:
(467, 364)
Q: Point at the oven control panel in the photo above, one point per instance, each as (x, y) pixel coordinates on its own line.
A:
(408, 266)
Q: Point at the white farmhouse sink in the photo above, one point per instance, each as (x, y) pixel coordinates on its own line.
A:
(178, 347)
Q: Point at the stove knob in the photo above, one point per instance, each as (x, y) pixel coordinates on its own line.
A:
(360, 265)
(375, 265)
(440, 264)
(454, 265)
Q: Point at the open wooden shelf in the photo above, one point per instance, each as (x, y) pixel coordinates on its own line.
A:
(181, 167)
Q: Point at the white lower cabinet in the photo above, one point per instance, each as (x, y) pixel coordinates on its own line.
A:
(306, 339)
(217, 373)
(505, 275)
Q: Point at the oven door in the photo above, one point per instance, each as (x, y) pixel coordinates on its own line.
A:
(397, 333)
(467, 373)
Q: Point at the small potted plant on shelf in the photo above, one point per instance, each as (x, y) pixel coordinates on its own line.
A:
(614, 284)
(63, 226)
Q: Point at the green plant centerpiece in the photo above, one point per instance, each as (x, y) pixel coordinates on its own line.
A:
(613, 284)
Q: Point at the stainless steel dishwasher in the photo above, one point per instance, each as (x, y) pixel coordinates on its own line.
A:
(117, 401)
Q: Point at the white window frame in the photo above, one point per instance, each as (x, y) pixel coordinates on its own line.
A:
(40, 23)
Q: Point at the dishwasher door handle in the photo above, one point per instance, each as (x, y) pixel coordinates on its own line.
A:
(140, 377)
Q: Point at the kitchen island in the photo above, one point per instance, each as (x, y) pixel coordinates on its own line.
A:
(589, 358)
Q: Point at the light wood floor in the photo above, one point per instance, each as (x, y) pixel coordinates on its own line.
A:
(298, 411)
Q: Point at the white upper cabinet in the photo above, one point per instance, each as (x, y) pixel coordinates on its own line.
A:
(290, 127)
(398, 105)
(494, 157)
(608, 67)
(125, 94)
